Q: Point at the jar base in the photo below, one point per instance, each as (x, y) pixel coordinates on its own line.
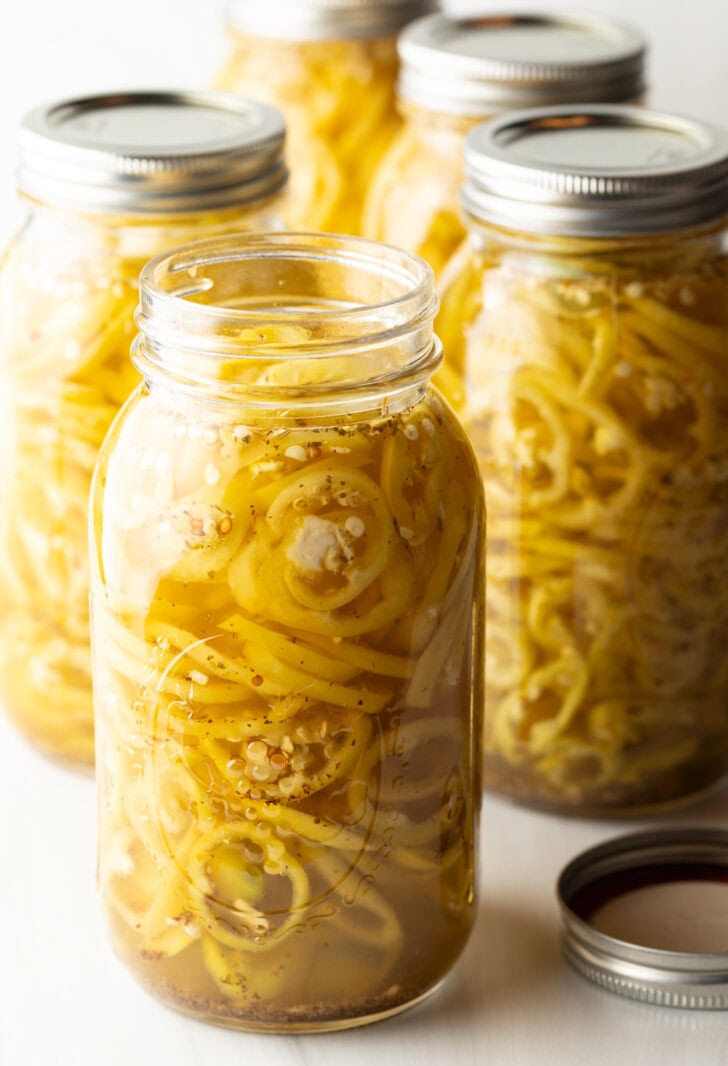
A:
(76, 758)
(494, 785)
(330, 1024)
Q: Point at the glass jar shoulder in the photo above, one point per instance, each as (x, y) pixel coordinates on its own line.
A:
(543, 305)
(67, 295)
(194, 467)
(69, 286)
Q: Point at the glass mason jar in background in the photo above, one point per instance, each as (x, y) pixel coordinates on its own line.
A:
(331, 66)
(586, 339)
(287, 608)
(108, 183)
(455, 73)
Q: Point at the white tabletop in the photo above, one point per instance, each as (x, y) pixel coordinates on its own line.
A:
(512, 1000)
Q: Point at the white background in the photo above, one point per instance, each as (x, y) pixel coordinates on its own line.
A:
(64, 1001)
(54, 48)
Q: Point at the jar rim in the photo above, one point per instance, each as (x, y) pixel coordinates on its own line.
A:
(300, 319)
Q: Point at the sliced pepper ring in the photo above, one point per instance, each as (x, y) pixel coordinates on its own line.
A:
(246, 923)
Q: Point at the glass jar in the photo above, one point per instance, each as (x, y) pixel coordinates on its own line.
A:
(287, 622)
(586, 332)
(331, 67)
(457, 72)
(108, 182)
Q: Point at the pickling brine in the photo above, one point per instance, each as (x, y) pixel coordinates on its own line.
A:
(287, 611)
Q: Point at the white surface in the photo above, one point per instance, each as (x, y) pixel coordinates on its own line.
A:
(51, 49)
(511, 1001)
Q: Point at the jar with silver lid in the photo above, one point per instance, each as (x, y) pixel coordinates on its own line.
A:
(586, 329)
(107, 182)
(331, 66)
(458, 72)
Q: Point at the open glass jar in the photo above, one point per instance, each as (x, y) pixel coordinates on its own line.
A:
(586, 334)
(287, 608)
(331, 67)
(109, 182)
(457, 72)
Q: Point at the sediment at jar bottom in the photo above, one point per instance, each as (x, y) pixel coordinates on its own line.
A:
(309, 1015)
(597, 403)
(689, 784)
(288, 628)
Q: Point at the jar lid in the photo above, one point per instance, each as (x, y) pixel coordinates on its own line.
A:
(597, 171)
(311, 20)
(152, 152)
(646, 916)
(503, 62)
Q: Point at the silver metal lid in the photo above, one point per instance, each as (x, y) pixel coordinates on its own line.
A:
(596, 170)
(312, 20)
(689, 979)
(503, 62)
(152, 152)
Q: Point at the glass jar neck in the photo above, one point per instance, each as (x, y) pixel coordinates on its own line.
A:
(143, 236)
(248, 42)
(289, 323)
(675, 251)
(429, 121)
